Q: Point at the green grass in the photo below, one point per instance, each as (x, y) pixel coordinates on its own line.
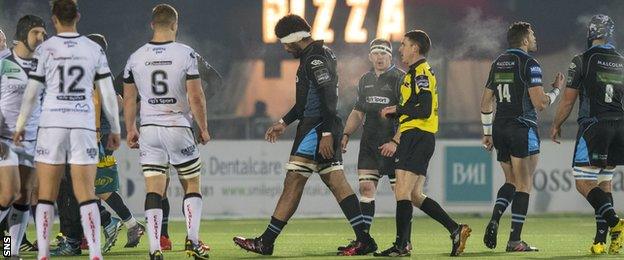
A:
(558, 237)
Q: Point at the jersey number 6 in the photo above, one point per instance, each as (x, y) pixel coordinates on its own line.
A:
(159, 85)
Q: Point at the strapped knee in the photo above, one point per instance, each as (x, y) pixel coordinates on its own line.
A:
(369, 176)
(190, 169)
(305, 169)
(605, 175)
(151, 170)
(330, 167)
(586, 173)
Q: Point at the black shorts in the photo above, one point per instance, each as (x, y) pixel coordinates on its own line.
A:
(307, 142)
(514, 138)
(414, 151)
(600, 144)
(370, 158)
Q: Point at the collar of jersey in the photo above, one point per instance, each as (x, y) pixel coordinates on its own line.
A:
(160, 43)
(604, 46)
(310, 46)
(68, 35)
(18, 57)
(421, 61)
(518, 50)
(385, 71)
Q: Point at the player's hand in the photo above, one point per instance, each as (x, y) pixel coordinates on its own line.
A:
(388, 112)
(326, 147)
(275, 131)
(344, 142)
(4, 150)
(559, 81)
(555, 134)
(487, 143)
(113, 142)
(388, 149)
(132, 139)
(204, 137)
(18, 137)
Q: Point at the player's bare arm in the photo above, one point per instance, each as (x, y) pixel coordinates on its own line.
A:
(197, 101)
(129, 110)
(541, 99)
(487, 101)
(28, 103)
(111, 110)
(353, 123)
(563, 111)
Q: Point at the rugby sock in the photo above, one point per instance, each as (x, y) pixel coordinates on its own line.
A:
(4, 211)
(503, 199)
(368, 210)
(165, 217)
(519, 209)
(601, 203)
(351, 208)
(44, 220)
(435, 211)
(117, 204)
(90, 218)
(154, 216)
(404, 212)
(18, 220)
(192, 213)
(272, 231)
(105, 216)
(601, 225)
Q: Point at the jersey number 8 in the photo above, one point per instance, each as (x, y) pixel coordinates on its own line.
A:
(159, 85)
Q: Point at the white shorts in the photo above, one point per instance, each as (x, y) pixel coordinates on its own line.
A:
(19, 155)
(161, 145)
(66, 145)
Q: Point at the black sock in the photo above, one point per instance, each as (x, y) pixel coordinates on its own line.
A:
(368, 211)
(602, 205)
(105, 216)
(503, 199)
(519, 208)
(117, 204)
(164, 230)
(272, 231)
(351, 208)
(435, 211)
(403, 222)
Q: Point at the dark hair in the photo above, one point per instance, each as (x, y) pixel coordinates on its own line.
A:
(99, 39)
(421, 39)
(517, 32)
(66, 11)
(164, 15)
(379, 41)
(289, 24)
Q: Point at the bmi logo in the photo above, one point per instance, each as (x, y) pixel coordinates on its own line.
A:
(6, 246)
(468, 177)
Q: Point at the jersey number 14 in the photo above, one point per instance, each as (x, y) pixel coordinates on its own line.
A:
(503, 93)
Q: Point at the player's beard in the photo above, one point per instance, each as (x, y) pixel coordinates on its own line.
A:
(296, 52)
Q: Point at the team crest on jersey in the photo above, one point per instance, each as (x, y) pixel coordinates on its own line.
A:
(92, 152)
(316, 63)
(188, 151)
(422, 81)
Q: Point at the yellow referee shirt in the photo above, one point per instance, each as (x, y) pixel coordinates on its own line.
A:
(418, 80)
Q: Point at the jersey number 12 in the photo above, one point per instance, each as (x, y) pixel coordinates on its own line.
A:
(503, 93)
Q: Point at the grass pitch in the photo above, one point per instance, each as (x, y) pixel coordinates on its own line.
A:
(557, 237)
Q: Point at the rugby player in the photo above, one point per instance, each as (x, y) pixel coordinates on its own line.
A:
(317, 144)
(596, 77)
(164, 74)
(515, 82)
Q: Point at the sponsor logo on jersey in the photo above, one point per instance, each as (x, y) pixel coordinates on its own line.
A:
(422, 81)
(316, 63)
(505, 64)
(70, 98)
(322, 76)
(162, 101)
(159, 50)
(377, 100)
(92, 152)
(70, 43)
(188, 151)
(42, 151)
(369, 86)
(158, 63)
(536, 70)
(609, 64)
(536, 80)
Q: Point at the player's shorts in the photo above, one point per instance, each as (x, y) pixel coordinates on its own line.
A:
(370, 158)
(415, 151)
(107, 176)
(306, 145)
(66, 146)
(19, 155)
(160, 145)
(514, 138)
(599, 144)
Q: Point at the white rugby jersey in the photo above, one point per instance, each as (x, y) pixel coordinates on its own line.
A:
(160, 71)
(13, 81)
(68, 64)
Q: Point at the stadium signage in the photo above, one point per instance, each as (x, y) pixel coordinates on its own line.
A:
(391, 23)
(468, 175)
